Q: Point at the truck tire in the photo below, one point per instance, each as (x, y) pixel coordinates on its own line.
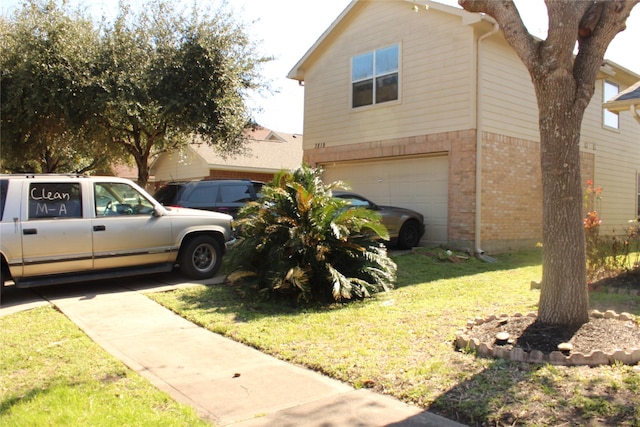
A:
(200, 257)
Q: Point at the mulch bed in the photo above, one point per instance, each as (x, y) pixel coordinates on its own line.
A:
(604, 334)
(598, 334)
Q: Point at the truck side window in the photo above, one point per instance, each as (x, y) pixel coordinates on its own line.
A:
(114, 198)
(4, 183)
(55, 200)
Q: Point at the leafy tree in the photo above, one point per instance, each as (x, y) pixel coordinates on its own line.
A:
(300, 242)
(564, 84)
(47, 52)
(167, 76)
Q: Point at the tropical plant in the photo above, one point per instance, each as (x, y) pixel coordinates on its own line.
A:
(299, 242)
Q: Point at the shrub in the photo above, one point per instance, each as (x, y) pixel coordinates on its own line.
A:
(592, 221)
(299, 242)
(607, 255)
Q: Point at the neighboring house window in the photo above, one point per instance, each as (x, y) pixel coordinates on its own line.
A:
(374, 77)
(610, 119)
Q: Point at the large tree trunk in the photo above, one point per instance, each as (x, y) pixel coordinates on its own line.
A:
(564, 84)
(143, 173)
(564, 298)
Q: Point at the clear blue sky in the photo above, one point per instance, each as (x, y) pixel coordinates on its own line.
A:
(288, 28)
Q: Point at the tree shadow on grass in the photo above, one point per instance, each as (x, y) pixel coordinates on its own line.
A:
(430, 264)
(413, 268)
(511, 393)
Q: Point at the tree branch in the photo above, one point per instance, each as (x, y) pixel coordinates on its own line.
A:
(513, 29)
(564, 21)
(599, 25)
(590, 20)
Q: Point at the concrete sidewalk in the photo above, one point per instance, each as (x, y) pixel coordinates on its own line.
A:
(227, 382)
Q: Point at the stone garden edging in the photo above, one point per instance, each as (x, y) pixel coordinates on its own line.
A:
(593, 358)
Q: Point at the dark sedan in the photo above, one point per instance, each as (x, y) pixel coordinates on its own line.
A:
(405, 226)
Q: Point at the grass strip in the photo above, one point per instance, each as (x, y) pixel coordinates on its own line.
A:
(52, 374)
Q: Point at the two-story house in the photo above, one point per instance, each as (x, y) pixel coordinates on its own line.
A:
(435, 112)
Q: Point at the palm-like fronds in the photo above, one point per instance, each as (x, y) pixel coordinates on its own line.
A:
(297, 240)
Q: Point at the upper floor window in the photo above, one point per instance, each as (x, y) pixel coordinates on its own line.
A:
(374, 77)
(610, 119)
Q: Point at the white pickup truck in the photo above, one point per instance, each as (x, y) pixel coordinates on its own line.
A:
(69, 228)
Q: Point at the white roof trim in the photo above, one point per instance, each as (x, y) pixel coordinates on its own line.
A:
(468, 18)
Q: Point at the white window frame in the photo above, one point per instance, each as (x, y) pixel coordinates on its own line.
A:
(610, 119)
(374, 78)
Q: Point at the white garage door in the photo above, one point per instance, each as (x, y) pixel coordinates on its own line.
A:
(416, 183)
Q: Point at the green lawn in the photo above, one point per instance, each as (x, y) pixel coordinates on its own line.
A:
(400, 343)
(52, 374)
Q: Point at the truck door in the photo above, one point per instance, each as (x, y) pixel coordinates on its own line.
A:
(125, 232)
(56, 238)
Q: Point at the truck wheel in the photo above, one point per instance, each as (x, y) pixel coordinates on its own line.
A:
(200, 257)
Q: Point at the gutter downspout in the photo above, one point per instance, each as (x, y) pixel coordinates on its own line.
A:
(479, 93)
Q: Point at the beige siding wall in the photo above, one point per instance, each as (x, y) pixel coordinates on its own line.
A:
(179, 165)
(508, 102)
(617, 162)
(436, 84)
(508, 108)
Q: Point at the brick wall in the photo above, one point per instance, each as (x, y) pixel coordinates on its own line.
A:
(230, 174)
(511, 189)
(462, 191)
(512, 192)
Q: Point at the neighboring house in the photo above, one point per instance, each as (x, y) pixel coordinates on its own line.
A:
(123, 170)
(450, 124)
(628, 99)
(266, 153)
